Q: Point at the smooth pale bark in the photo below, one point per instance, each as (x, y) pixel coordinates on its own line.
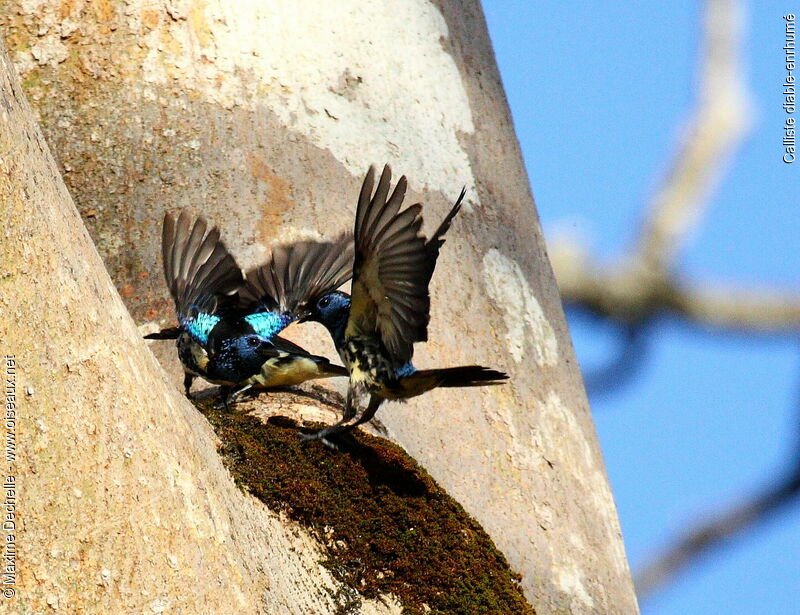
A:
(265, 115)
(123, 504)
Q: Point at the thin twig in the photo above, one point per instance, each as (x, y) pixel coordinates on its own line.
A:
(623, 367)
(634, 295)
(715, 130)
(724, 527)
(719, 530)
(643, 284)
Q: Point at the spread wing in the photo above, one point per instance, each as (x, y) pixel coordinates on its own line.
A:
(437, 239)
(392, 270)
(298, 274)
(201, 274)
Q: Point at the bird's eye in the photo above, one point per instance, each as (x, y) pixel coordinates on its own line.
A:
(324, 301)
(253, 341)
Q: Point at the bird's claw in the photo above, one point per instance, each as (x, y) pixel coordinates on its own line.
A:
(310, 437)
(228, 398)
(335, 438)
(222, 405)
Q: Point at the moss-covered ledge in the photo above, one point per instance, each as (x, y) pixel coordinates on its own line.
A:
(385, 525)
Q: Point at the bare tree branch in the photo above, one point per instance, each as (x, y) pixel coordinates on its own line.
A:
(722, 528)
(742, 309)
(716, 532)
(643, 284)
(634, 294)
(624, 365)
(715, 130)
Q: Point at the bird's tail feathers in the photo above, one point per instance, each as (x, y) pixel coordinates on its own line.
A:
(170, 333)
(465, 376)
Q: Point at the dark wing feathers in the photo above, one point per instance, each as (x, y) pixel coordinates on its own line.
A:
(281, 343)
(364, 197)
(380, 220)
(437, 240)
(205, 249)
(298, 274)
(393, 267)
(200, 272)
(390, 289)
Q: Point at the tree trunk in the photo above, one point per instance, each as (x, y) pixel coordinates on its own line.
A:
(265, 116)
(124, 504)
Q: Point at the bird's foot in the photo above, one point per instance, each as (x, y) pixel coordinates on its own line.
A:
(335, 437)
(230, 398)
(187, 384)
(328, 443)
(222, 400)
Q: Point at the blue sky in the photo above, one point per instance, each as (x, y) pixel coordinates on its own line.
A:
(599, 93)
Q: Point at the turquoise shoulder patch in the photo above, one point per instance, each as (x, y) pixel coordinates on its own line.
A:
(405, 370)
(268, 324)
(201, 325)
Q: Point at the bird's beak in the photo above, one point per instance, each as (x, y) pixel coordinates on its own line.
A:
(266, 349)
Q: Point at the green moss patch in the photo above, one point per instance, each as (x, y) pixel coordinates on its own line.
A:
(386, 526)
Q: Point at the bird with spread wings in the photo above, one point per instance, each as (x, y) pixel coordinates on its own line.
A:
(375, 328)
(228, 321)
